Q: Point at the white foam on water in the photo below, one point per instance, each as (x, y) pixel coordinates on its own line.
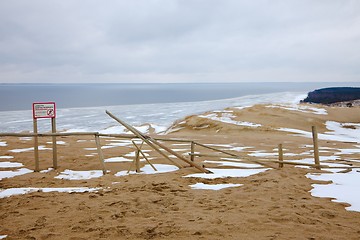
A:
(158, 129)
(214, 186)
(6, 157)
(114, 130)
(18, 191)
(3, 144)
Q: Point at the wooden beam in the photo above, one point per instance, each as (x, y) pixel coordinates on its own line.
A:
(142, 137)
(100, 153)
(233, 155)
(54, 145)
(263, 161)
(147, 160)
(181, 157)
(36, 145)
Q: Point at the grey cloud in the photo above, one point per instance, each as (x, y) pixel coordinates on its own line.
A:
(168, 40)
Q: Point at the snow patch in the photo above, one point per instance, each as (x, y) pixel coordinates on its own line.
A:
(228, 118)
(28, 149)
(344, 188)
(147, 169)
(18, 172)
(214, 186)
(224, 173)
(18, 191)
(79, 175)
(117, 159)
(301, 108)
(10, 164)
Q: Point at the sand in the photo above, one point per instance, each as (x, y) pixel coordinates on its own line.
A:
(274, 204)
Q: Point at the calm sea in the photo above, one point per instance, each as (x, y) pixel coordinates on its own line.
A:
(21, 96)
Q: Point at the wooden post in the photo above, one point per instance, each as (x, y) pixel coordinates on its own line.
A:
(141, 152)
(192, 151)
(137, 161)
(54, 146)
(316, 147)
(132, 163)
(36, 145)
(281, 156)
(100, 153)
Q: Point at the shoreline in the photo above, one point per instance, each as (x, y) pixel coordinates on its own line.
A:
(156, 114)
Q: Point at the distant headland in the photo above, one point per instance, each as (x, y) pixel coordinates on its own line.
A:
(334, 95)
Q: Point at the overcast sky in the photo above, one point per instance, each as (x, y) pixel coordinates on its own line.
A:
(179, 41)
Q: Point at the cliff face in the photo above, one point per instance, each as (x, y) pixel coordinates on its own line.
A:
(333, 95)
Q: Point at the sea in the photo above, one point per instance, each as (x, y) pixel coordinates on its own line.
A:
(81, 107)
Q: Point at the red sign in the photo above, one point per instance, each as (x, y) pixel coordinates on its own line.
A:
(44, 110)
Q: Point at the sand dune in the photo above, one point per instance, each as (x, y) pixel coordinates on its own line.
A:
(257, 202)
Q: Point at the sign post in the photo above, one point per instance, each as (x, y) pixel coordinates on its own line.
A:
(44, 110)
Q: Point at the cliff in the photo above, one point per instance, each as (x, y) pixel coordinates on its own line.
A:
(333, 95)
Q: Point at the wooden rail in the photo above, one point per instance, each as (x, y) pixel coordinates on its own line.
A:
(156, 145)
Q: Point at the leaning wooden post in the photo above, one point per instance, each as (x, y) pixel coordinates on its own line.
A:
(36, 145)
(54, 146)
(139, 135)
(281, 156)
(100, 153)
(152, 142)
(316, 147)
(192, 151)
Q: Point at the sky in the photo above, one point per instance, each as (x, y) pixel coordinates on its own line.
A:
(166, 41)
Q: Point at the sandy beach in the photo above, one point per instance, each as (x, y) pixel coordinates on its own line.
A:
(259, 202)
